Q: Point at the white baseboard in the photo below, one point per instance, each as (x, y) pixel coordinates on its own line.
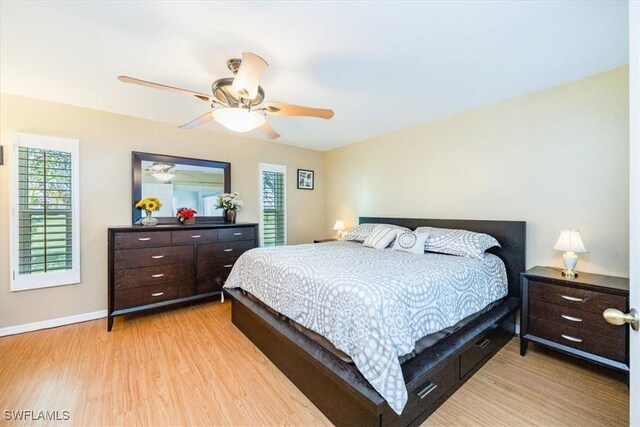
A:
(52, 323)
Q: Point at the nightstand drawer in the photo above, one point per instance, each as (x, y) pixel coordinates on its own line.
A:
(575, 318)
(581, 299)
(146, 276)
(133, 258)
(608, 347)
(141, 239)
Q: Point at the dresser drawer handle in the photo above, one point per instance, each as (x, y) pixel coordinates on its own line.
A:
(157, 256)
(155, 276)
(574, 299)
(237, 234)
(144, 239)
(571, 318)
(196, 236)
(484, 343)
(228, 250)
(428, 389)
(228, 266)
(157, 294)
(570, 338)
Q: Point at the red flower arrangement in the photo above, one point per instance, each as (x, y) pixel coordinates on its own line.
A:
(186, 215)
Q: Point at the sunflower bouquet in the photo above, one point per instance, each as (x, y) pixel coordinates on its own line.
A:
(149, 204)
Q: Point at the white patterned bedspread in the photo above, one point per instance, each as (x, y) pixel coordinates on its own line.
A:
(371, 304)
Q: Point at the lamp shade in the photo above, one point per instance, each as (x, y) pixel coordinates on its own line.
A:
(238, 119)
(570, 241)
(339, 225)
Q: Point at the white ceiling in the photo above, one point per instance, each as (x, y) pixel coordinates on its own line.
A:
(382, 66)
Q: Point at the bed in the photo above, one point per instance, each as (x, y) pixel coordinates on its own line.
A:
(428, 378)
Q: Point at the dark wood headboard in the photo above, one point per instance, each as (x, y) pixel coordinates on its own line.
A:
(510, 234)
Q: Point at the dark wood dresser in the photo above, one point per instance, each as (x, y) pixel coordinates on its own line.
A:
(567, 315)
(150, 267)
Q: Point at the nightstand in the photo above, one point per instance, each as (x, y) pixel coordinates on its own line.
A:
(566, 315)
(325, 240)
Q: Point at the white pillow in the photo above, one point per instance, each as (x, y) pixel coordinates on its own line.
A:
(408, 241)
(362, 231)
(457, 242)
(381, 237)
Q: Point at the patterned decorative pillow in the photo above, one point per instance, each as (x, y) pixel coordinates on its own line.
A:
(408, 241)
(362, 231)
(382, 236)
(457, 242)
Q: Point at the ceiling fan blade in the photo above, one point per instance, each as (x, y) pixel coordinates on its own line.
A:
(135, 81)
(199, 121)
(268, 131)
(248, 77)
(282, 109)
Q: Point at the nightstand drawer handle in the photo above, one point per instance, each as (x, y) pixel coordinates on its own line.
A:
(155, 276)
(484, 343)
(228, 266)
(574, 299)
(196, 236)
(571, 318)
(228, 250)
(144, 239)
(570, 338)
(157, 294)
(237, 234)
(428, 389)
(157, 256)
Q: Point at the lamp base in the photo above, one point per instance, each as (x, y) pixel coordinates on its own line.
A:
(570, 260)
(569, 274)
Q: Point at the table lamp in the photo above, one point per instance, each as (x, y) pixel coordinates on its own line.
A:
(571, 244)
(339, 227)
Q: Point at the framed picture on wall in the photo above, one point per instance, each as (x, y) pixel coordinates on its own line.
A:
(305, 179)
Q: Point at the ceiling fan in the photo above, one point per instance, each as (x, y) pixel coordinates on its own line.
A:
(237, 102)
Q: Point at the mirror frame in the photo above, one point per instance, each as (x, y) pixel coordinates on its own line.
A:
(136, 185)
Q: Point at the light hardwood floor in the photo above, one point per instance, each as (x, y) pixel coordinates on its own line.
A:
(191, 366)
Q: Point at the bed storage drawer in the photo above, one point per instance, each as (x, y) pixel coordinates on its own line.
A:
(423, 395)
(482, 348)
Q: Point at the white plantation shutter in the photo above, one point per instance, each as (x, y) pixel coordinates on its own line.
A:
(44, 220)
(273, 206)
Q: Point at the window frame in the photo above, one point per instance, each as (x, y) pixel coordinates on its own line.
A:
(23, 282)
(272, 167)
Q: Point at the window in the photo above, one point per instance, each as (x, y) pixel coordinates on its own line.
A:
(273, 205)
(44, 212)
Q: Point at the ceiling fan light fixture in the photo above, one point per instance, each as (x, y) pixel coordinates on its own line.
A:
(251, 68)
(162, 171)
(238, 119)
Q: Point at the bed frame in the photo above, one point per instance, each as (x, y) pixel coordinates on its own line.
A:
(341, 392)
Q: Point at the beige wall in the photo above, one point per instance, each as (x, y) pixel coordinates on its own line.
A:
(106, 142)
(557, 158)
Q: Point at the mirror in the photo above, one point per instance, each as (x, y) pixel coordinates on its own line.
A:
(179, 182)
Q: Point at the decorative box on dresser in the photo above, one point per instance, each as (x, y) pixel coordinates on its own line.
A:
(151, 267)
(566, 315)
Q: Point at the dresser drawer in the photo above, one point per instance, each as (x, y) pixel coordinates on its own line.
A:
(146, 276)
(141, 239)
(133, 297)
(581, 299)
(423, 395)
(609, 347)
(133, 258)
(575, 318)
(236, 233)
(207, 266)
(223, 249)
(193, 236)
